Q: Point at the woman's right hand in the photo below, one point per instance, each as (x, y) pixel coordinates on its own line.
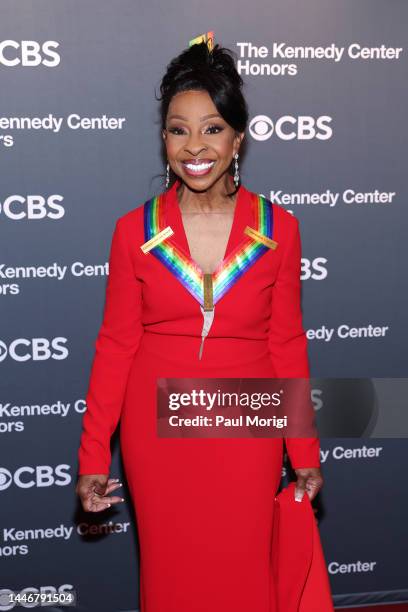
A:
(94, 491)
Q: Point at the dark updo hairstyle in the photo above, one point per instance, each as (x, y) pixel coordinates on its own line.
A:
(211, 70)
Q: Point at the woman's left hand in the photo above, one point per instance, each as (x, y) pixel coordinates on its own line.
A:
(309, 480)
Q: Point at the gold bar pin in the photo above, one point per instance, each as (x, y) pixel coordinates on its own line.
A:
(157, 239)
(255, 235)
(208, 292)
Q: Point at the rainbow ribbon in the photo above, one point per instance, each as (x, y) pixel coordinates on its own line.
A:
(229, 271)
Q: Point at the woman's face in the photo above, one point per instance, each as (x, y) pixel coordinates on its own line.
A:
(200, 144)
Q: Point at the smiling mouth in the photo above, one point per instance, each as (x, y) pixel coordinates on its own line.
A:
(199, 167)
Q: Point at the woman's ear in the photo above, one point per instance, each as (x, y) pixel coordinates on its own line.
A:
(238, 140)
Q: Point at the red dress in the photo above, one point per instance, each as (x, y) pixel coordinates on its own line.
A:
(204, 507)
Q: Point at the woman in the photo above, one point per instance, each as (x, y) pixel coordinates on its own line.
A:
(205, 507)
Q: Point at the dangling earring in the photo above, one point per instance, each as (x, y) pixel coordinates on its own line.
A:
(236, 175)
(167, 175)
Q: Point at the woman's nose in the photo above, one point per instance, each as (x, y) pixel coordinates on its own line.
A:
(195, 144)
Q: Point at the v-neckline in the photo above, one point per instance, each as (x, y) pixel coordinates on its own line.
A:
(253, 219)
(173, 217)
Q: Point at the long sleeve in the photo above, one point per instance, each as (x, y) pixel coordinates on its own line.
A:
(117, 341)
(287, 339)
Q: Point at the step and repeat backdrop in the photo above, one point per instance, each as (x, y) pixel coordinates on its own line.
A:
(80, 146)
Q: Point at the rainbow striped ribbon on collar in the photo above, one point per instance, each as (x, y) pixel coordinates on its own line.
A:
(230, 270)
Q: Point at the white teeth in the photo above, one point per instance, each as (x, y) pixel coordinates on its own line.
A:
(199, 167)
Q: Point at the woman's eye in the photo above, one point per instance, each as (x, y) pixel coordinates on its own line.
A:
(176, 130)
(211, 129)
(214, 129)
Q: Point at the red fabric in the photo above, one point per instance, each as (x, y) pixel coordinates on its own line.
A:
(204, 507)
(298, 564)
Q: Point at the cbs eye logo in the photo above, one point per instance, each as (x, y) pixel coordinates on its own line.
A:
(5, 479)
(287, 127)
(261, 127)
(3, 350)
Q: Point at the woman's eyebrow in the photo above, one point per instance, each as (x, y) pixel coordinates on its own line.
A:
(201, 119)
(210, 116)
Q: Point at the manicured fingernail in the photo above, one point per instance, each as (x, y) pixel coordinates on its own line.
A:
(109, 505)
(122, 499)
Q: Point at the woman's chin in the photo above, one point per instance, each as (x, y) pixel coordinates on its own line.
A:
(201, 183)
(197, 183)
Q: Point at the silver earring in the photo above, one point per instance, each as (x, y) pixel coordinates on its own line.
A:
(167, 175)
(236, 174)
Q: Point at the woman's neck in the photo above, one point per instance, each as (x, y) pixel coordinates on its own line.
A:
(209, 201)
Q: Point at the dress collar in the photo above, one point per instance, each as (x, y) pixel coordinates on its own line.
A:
(250, 237)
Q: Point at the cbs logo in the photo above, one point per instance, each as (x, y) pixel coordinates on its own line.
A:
(287, 127)
(313, 268)
(18, 207)
(26, 477)
(37, 349)
(29, 53)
